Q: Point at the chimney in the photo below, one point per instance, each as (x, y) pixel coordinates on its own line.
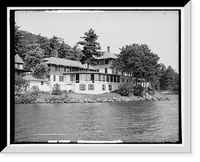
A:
(108, 48)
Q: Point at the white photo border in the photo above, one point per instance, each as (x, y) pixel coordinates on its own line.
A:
(186, 103)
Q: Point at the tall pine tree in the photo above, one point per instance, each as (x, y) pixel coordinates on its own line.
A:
(90, 48)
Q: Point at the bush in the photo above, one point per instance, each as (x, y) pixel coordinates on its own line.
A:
(138, 91)
(35, 90)
(124, 89)
(28, 97)
(55, 99)
(20, 85)
(56, 89)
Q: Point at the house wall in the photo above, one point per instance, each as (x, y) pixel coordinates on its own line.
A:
(60, 68)
(19, 65)
(44, 87)
(97, 87)
(102, 70)
(19, 73)
(64, 85)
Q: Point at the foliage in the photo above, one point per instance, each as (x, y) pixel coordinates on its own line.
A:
(56, 89)
(137, 61)
(41, 69)
(90, 47)
(138, 90)
(34, 55)
(169, 79)
(20, 85)
(26, 98)
(54, 99)
(35, 90)
(53, 47)
(124, 89)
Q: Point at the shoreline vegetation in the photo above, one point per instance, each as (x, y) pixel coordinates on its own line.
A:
(91, 98)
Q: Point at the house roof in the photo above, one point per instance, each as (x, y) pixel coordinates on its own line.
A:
(25, 70)
(101, 66)
(34, 78)
(65, 62)
(107, 55)
(55, 73)
(88, 72)
(18, 59)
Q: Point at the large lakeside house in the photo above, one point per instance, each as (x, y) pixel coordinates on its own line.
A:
(74, 76)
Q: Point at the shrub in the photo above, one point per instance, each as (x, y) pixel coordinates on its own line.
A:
(20, 85)
(55, 99)
(35, 90)
(138, 91)
(124, 89)
(56, 89)
(28, 97)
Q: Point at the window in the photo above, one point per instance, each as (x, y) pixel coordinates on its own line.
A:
(106, 70)
(103, 87)
(42, 83)
(110, 87)
(115, 79)
(72, 77)
(96, 78)
(64, 69)
(101, 62)
(77, 78)
(82, 87)
(81, 77)
(88, 77)
(18, 66)
(54, 78)
(90, 87)
(61, 78)
(56, 68)
(48, 77)
(111, 78)
(97, 70)
(106, 61)
(108, 76)
(101, 77)
(92, 78)
(104, 78)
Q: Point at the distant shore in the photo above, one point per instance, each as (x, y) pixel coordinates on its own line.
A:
(91, 98)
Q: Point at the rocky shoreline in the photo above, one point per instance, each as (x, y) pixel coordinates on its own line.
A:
(114, 99)
(61, 99)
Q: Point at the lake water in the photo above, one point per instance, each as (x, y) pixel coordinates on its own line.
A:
(148, 121)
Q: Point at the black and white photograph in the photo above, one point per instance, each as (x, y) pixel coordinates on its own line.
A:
(97, 76)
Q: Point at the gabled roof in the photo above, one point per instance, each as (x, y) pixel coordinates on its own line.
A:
(107, 55)
(18, 59)
(65, 62)
(34, 78)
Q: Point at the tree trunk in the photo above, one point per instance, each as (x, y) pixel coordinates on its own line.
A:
(145, 87)
(136, 84)
(132, 83)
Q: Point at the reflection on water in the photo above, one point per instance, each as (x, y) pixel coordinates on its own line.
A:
(126, 121)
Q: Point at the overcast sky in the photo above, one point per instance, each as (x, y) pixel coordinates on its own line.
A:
(157, 29)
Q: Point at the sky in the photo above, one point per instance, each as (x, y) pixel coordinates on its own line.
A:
(157, 29)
